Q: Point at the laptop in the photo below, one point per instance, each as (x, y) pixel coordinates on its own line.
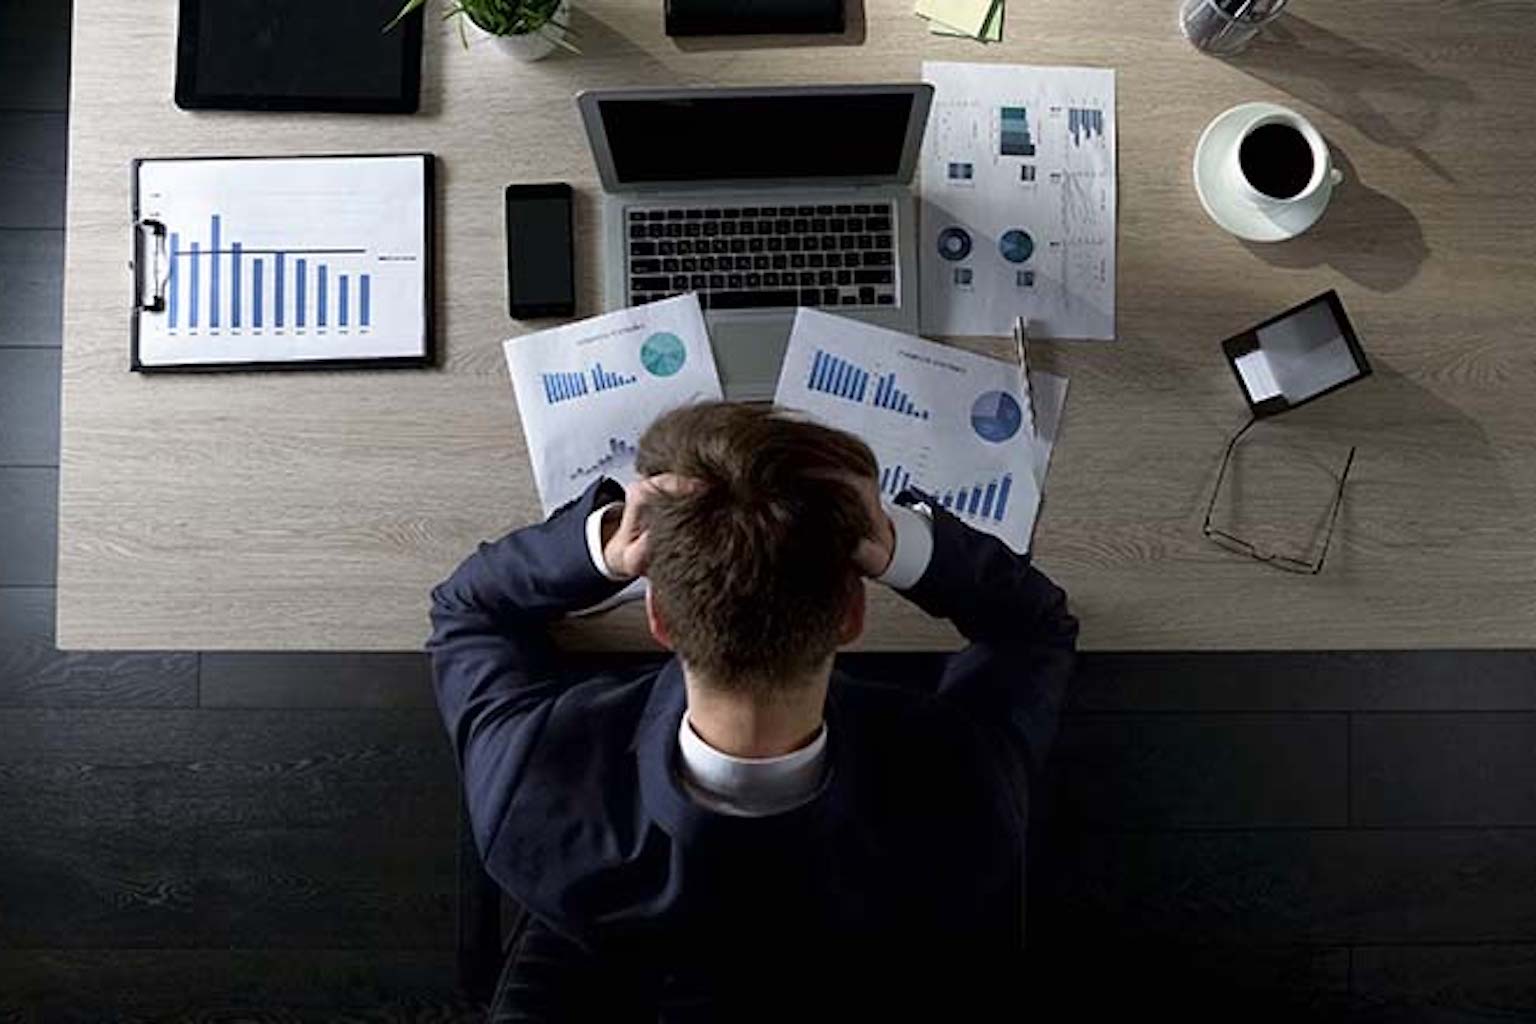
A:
(760, 200)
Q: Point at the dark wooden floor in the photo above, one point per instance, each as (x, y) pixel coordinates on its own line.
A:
(273, 837)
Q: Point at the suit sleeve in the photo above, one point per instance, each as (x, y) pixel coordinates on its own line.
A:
(493, 662)
(1023, 640)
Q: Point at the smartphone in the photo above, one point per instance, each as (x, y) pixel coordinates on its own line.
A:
(541, 256)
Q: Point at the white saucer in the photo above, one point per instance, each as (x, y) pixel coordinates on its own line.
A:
(1238, 214)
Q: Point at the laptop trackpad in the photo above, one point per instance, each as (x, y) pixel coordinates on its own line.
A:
(749, 351)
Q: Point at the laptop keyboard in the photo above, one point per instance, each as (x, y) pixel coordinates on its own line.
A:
(753, 257)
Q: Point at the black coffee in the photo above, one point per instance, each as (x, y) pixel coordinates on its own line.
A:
(1277, 160)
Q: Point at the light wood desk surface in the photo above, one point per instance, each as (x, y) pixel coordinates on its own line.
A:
(314, 511)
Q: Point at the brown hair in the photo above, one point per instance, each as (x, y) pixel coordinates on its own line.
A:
(753, 570)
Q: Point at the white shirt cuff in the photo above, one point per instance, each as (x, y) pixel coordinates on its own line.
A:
(914, 548)
(595, 541)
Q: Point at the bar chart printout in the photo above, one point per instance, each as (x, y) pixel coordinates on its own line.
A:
(957, 433)
(286, 259)
(587, 391)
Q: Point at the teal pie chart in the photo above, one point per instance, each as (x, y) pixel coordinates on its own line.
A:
(996, 416)
(1016, 245)
(663, 354)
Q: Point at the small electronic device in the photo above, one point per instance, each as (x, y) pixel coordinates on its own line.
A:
(1300, 355)
(541, 256)
(753, 17)
(298, 55)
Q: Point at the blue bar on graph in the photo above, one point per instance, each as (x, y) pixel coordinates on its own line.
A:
(234, 284)
(213, 273)
(815, 372)
(279, 275)
(949, 498)
(839, 370)
(256, 293)
(863, 384)
(362, 299)
(885, 382)
(342, 299)
(299, 279)
(192, 286)
(320, 290)
(172, 286)
(975, 500)
(1002, 495)
(885, 475)
(850, 378)
(986, 503)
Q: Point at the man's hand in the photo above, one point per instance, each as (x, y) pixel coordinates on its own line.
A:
(626, 538)
(875, 552)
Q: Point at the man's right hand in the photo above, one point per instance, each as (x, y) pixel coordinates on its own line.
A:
(626, 538)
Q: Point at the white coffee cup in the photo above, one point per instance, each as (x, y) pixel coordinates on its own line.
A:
(1319, 188)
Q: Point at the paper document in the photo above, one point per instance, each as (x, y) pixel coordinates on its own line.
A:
(587, 391)
(1018, 201)
(941, 419)
(286, 259)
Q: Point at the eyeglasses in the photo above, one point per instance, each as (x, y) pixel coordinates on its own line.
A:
(1271, 558)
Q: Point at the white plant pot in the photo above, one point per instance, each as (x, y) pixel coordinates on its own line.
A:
(531, 46)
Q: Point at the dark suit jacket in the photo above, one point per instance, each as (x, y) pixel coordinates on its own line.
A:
(907, 866)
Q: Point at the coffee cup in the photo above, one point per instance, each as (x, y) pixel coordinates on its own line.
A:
(1281, 161)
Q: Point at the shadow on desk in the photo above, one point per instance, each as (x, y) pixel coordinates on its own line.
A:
(1366, 235)
(1391, 100)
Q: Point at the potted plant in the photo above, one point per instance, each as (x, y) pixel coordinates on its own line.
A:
(528, 29)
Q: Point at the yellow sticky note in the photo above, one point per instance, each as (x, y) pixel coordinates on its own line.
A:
(965, 16)
(991, 32)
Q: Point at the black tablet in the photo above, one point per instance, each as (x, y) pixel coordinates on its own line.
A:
(1304, 353)
(297, 55)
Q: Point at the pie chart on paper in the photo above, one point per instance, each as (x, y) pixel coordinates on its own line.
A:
(663, 354)
(996, 416)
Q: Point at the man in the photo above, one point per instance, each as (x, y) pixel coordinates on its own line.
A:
(746, 832)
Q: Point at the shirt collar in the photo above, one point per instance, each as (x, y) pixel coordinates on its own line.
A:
(749, 786)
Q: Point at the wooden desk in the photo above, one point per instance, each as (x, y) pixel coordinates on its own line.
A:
(315, 510)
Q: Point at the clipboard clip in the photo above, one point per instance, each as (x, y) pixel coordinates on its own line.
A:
(151, 266)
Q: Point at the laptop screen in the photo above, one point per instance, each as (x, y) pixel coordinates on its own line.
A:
(725, 138)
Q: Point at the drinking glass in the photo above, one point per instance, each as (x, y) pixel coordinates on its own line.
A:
(1225, 27)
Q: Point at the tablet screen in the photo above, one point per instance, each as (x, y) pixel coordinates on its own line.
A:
(297, 55)
(1299, 355)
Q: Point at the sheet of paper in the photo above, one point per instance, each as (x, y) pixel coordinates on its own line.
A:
(941, 419)
(967, 16)
(1257, 376)
(286, 259)
(587, 391)
(1018, 201)
(991, 31)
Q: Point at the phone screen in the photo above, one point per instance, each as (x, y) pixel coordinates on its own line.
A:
(540, 258)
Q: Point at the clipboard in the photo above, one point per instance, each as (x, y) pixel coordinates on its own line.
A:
(282, 263)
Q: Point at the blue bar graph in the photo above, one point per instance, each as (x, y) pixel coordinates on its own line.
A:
(562, 387)
(193, 291)
(889, 396)
(603, 380)
(234, 302)
(838, 377)
(234, 283)
(300, 279)
(213, 274)
(894, 479)
(256, 295)
(978, 500)
(172, 284)
(1084, 123)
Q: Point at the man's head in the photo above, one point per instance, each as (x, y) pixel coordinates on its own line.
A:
(752, 574)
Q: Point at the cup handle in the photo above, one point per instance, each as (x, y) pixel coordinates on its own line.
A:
(1337, 177)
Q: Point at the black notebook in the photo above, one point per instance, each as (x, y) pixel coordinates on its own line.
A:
(297, 55)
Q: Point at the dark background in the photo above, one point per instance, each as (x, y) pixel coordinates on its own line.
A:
(273, 837)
